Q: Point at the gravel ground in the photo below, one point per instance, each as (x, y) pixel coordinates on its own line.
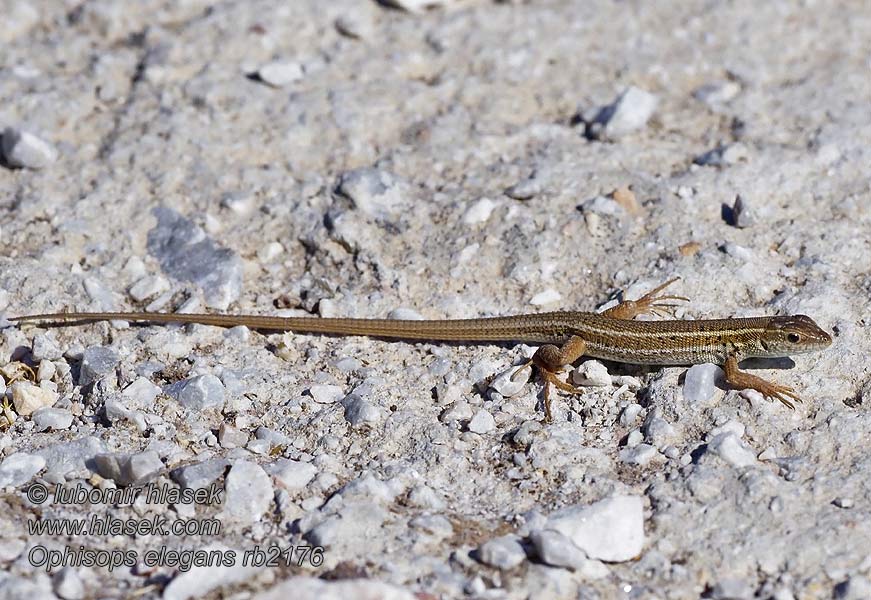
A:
(462, 159)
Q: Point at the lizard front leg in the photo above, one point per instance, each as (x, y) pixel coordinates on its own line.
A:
(738, 379)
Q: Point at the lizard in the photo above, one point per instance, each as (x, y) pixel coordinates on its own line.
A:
(565, 336)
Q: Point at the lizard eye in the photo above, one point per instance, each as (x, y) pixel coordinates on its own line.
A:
(794, 338)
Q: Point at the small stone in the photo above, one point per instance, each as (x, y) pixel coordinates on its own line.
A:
(279, 73)
(200, 580)
(548, 296)
(368, 487)
(857, 587)
(70, 457)
(639, 455)
(458, 411)
(201, 474)
(602, 206)
(67, 584)
(199, 392)
(423, 496)
(46, 370)
(742, 215)
(358, 24)
(629, 414)
(127, 469)
(479, 212)
(186, 253)
(230, 437)
(723, 156)
(507, 385)
(140, 393)
(374, 192)
(611, 529)
(249, 492)
(732, 589)
(52, 418)
(28, 398)
(628, 113)
(718, 92)
(25, 150)
(730, 426)
(404, 314)
(19, 468)
(730, 448)
(483, 422)
(634, 438)
(557, 550)
(591, 373)
(359, 411)
(355, 521)
(45, 347)
(292, 475)
(657, 430)
(842, 502)
(97, 362)
(147, 287)
(504, 552)
(326, 394)
(524, 190)
(699, 382)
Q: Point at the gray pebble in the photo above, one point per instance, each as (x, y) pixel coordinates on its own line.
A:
(373, 192)
(555, 549)
(359, 410)
(126, 469)
(199, 392)
(639, 455)
(45, 347)
(97, 361)
(230, 437)
(186, 253)
(742, 214)
(356, 521)
(19, 468)
(524, 189)
(503, 552)
(201, 474)
(52, 418)
(25, 150)
(70, 457)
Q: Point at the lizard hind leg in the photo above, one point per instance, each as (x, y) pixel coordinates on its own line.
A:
(651, 303)
(550, 359)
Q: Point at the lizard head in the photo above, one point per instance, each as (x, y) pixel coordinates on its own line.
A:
(796, 334)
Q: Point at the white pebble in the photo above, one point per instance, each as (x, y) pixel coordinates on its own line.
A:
(629, 414)
(483, 422)
(639, 455)
(591, 373)
(49, 417)
(729, 447)
(699, 381)
(23, 149)
(479, 212)
(611, 529)
(634, 438)
(509, 386)
(503, 552)
(278, 74)
(20, 468)
(326, 394)
(730, 426)
(292, 475)
(548, 296)
(630, 112)
(404, 314)
(148, 287)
